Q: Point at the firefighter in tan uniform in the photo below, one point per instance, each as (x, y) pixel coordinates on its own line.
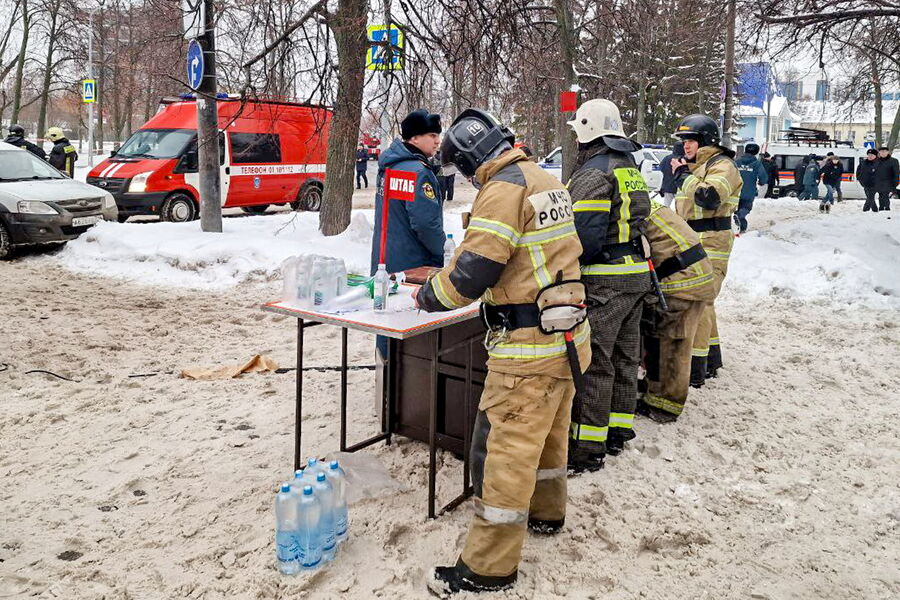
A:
(686, 280)
(707, 199)
(520, 241)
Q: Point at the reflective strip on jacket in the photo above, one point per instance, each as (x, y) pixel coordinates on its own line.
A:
(520, 237)
(669, 235)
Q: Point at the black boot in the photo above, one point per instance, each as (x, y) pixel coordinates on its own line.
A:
(546, 526)
(445, 581)
(614, 445)
(655, 414)
(581, 460)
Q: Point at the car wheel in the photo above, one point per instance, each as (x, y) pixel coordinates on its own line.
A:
(309, 198)
(178, 208)
(255, 210)
(5, 243)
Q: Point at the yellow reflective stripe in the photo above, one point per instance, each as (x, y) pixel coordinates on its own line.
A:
(592, 206)
(548, 234)
(714, 341)
(625, 269)
(701, 352)
(720, 178)
(687, 283)
(667, 229)
(539, 262)
(498, 228)
(663, 404)
(588, 433)
(441, 295)
(536, 351)
(717, 255)
(621, 420)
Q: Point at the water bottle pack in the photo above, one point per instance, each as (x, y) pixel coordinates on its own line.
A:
(313, 281)
(310, 517)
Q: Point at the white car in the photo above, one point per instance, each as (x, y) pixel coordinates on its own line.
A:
(40, 205)
(648, 160)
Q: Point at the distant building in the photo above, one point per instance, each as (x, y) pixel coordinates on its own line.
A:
(848, 122)
(763, 110)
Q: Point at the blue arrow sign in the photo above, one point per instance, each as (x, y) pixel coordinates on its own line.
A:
(195, 64)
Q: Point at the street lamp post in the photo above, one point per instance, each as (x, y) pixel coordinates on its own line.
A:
(90, 75)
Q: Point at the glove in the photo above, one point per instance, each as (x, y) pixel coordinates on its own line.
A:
(707, 198)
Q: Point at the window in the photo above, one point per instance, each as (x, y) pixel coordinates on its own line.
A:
(791, 161)
(189, 158)
(823, 90)
(255, 148)
(156, 143)
(792, 90)
(19, 165)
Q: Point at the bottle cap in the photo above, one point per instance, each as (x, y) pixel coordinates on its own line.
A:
(311, 462)
(449, 236)
(320, 476)
(285, 487)
(307, 490)
(298, 473)
(333, 464)
(382, 266)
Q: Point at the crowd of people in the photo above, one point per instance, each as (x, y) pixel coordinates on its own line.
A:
(62, 155)
(581, 284)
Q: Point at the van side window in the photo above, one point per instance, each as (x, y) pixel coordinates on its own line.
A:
(255, 148)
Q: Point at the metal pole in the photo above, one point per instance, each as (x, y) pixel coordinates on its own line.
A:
(728, 113)
(208, 132)
(91, 76)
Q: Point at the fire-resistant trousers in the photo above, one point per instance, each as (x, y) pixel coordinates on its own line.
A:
(706, 352)
(519, 454)
(668, 346)
(610, 396)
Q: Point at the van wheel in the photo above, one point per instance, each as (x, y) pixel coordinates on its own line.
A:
(5, 243)
(178, 208)
(309, 198)
(255, 210)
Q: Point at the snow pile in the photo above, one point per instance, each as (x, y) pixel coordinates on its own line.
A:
(851, 258)
(180, 255)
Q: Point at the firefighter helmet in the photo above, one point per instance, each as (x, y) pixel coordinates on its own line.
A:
(54, 134)
(475, 137)
(700, 128)
(16, 129)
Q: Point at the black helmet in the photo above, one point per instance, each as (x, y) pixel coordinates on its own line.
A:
(751, 148)
(15, 129)
(700, 128)
(472, 139)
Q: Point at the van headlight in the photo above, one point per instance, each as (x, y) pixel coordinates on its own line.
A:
(108, 201)
(139, 182)
(28, 207)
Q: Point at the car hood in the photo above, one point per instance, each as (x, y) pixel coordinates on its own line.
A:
(49, 190)
(126, 168)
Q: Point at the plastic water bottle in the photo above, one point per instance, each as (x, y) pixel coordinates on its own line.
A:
(449, 249)
(313, 468)
(308, 534)
(382, 288)
(289, 274)
(338, 480)
(302, 279)
(325, 494)
(319, 282)
(286, 521)
(340, 273)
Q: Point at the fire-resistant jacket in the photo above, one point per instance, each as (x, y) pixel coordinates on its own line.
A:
(521, 238)
(610, 201)
(63, 156)
(708, 198)
(674, 245)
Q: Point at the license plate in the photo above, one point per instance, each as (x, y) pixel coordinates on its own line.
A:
(83, 221)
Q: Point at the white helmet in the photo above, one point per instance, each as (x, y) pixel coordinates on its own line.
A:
(597, 118)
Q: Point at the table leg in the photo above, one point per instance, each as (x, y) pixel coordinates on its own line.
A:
(298, 411)
(343, 389)
(387, 404)
(432, 425)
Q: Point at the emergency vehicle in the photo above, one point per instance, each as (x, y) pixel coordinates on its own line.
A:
(647, 159)
(372, 144)
(270, 152)
(788, 155)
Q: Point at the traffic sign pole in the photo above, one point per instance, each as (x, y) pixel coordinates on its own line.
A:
(208, 129)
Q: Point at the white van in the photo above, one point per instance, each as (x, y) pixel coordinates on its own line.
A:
(788, 155)
(648, 160)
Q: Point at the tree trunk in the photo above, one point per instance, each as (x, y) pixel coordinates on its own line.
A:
(895, 129)
(568, 44)
(728, 114)
(48, 70)
(20, 65)
(876, 84)
(640, 121)
(349, 27)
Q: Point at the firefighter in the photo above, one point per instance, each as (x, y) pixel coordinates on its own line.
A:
(610, 200)
(707, 200)
(521, 238)
(16, 137)
(63, 154)
(687, 281)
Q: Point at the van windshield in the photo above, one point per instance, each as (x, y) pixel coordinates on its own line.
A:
(22, 165)
(156, 143)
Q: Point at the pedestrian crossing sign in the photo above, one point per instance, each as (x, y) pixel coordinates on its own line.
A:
(381, 57)
(88, 91)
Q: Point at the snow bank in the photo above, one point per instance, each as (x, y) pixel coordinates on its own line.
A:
(848, 258)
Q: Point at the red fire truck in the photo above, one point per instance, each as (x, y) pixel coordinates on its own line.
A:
(372, 144)
(269, 153)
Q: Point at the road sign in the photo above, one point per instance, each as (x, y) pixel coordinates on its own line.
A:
(195, 64)
(88, 91)
(869, 145)
(193, 14)
(382, 58)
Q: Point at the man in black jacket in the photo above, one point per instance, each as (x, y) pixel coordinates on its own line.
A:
(865, 175)
(832, 171)
(768, 162)
(362, 163)
(16, 137)
(669, 184)
(887, 171)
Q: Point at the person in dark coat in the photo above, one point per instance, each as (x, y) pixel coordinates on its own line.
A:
(63, 154)
(447, 181)
(16, 137)
(799, 170)
(752, 173)
(669, 184)
(768, 163)
(362, 163)
(831, 177)
(887, 172)
(865, 175)
(811, 176)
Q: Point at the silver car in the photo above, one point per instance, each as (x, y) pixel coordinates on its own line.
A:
(40, 205)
